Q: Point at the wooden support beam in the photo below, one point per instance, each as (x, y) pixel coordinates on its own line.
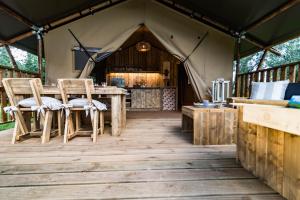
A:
(40, 54)
(237, 65)
(16, 15)
(12, 59)
(272, 14)
(262, 59)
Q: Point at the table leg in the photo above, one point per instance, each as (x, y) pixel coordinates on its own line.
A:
(197, 128)
(186, 123)
(116, 115)
(123, 99)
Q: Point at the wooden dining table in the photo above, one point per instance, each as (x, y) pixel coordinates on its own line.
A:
(118, 104)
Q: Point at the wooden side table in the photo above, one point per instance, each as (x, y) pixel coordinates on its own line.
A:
(210, 126)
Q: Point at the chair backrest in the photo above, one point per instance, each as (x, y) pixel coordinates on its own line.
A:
(76, 87)
(17, 88)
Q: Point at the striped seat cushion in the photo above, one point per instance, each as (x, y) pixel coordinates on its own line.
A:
(49, 102)
(82, 102)
(269, 91)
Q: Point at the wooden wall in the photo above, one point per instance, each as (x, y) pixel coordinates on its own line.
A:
(152, 79)
(129, 60)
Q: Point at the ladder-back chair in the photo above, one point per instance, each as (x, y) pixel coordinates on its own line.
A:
(82, 87)
(18, 91)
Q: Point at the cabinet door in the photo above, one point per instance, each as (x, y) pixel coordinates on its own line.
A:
(153, 98)
(138, 98)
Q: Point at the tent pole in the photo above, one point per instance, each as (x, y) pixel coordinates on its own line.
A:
(40, 54)
(262, 60)
(12, 59)
(237, 66)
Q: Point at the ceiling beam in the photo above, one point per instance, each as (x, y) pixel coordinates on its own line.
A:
(15, 15)
(272, 14)
(216, 25)
(73, 17)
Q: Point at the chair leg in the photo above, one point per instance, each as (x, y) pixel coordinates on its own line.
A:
(69, 128)
(21, 122)
(95, 126)
(101, 119)
(77, 121)
(47, 127)
(16, 133)
(59, 122)
(66, 131)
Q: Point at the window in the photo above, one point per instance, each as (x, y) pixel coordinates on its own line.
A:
(81, 58)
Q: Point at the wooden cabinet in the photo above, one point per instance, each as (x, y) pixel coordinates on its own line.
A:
(146, 98)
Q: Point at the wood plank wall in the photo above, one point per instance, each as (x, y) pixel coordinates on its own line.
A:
(289, 71)
(143, 61)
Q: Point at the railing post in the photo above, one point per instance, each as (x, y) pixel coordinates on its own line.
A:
(250, 84)
(283, 73)
(275, 74)
(242, 86)
(40, 54)
(268, 76)
(262, 76)
(237, 68)
(298, 77)
(292, 73)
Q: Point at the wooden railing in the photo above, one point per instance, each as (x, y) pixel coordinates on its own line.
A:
(283, 72)
(8, 72)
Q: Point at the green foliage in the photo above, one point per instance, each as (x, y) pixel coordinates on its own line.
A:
(4, 58)
(290, 53)
(7, 126)
(25, 61)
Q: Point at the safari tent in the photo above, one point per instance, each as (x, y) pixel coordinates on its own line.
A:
(147, 100)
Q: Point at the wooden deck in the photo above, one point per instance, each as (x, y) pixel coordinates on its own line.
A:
(151, 160)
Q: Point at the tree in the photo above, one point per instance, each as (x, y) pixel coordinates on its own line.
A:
(4, 58)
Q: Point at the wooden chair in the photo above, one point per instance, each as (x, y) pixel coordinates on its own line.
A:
(21, 88)
(83, 87)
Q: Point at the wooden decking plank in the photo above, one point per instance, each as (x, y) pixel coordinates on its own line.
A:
(70, 151)
(225, 197)
(123, 177)
(104, 158)
(116, 166)
(139, 190)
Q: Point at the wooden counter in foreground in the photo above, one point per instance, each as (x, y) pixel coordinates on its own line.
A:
(268, 145)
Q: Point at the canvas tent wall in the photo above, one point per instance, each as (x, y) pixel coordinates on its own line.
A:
(213, 58)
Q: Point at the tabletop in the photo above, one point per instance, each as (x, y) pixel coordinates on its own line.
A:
(109, 90)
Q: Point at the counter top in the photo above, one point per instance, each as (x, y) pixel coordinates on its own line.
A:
(276, 117)
(146, 88)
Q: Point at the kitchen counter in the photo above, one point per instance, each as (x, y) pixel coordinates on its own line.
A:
(152, 98)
